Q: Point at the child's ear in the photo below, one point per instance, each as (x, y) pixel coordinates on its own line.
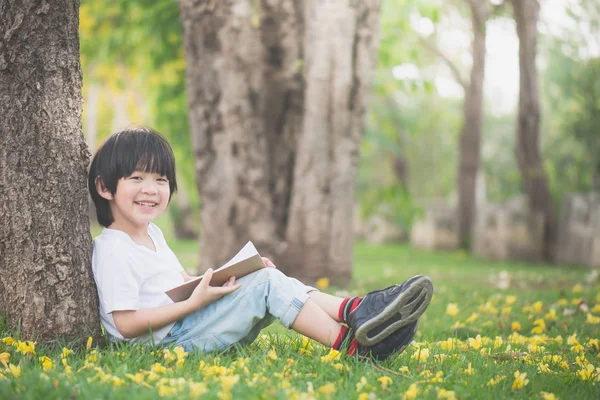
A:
(102, 190)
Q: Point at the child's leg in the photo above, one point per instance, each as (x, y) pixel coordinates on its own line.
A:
(330, 304)
(314, 322)
(239, 316)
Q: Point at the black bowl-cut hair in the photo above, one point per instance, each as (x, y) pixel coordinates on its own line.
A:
(123, 153)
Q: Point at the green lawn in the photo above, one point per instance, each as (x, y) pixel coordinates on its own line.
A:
(471, 342)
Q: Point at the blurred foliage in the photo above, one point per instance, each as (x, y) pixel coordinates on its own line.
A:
(571, 95)
(135, 47)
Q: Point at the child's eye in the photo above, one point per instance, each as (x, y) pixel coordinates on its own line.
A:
(163, 179)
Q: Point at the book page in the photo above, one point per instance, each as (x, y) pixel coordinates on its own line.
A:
(246, 261)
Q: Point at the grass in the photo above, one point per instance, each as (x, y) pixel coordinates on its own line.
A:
(473, 340)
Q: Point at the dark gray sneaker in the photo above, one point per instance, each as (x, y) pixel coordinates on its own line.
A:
(393, 344)
(384, 312)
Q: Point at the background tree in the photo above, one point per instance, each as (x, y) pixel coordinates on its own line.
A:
(470, 139)
(46, 284)
(277, 94)
(527, 144)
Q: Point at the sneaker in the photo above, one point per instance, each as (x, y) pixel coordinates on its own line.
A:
(383, 312)
(396, 343)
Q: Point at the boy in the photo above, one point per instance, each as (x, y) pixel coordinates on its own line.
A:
(131, 180)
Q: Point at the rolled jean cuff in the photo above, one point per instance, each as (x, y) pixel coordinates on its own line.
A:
(291, 313)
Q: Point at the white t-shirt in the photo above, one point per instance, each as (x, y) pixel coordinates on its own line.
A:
(130, 276)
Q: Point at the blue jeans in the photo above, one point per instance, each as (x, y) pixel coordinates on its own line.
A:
(238, 317)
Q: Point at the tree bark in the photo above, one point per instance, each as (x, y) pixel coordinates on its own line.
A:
(470, 140)
(527, 144)
(276, 92)
(46, 283)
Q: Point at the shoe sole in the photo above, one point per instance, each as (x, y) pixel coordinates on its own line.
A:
(410, 304)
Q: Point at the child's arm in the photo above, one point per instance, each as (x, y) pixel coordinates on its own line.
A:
(133, 323)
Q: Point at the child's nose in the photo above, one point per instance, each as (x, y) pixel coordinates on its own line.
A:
(149, 188)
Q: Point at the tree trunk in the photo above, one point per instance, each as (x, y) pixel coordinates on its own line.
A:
(471, 135)
(91, 135)
(527, 146)
(276, 90)
(46, 283)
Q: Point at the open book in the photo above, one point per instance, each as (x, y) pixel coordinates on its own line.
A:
(247, 260)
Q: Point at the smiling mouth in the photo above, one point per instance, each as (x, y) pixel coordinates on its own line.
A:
(145, 204)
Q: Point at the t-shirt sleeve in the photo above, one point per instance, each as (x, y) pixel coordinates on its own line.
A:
(118, 284)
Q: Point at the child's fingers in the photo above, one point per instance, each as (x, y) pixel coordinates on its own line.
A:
(205, 282)
(229, 289)
(230, 281)
(268, 263)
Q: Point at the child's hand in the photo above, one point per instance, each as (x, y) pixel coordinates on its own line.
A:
(268, 263)
(204, 294)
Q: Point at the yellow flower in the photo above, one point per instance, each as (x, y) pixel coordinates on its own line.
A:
(472, 318)
(452, 309)
(272, 354)
(448, 344)
(4, 358)
(14, 370)
(506, 310)
(137, 378)
(361, 384)
(548, 396)
(66, 352)
(469, 370)
(157, 368)
(596, 309)
(403, 369)
(498, 342)
(385, 381)
(411, 393)
(586, 373)
(564, 365)
(327, 389)
(166, 391)
(333, 355)
(515, 326)
(562, 302)
(421, 355)
(572, 340)
(551, 315)
(440, 357)
(510, 300)
(577, 288)
(89, 343)
(475, 343)
(592, 320)
(197, 389)
(520, 380)
(363, 396)
(540, 326)
(446, 394)
(8, 340)
(594, 343)
(340, 367)
(544, 368)
(496, 380)
(47, 363)
(322, 283)
(537, 307)
(306, 348)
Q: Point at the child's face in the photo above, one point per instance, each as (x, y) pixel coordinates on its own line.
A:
(139, 199)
